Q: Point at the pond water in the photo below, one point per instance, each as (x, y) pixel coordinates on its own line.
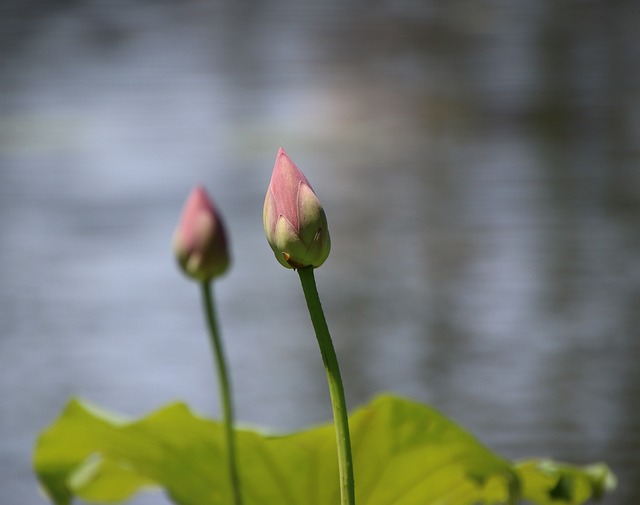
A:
(478, 163)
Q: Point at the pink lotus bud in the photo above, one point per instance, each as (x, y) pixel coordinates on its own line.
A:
(294, 221)
(200, 241)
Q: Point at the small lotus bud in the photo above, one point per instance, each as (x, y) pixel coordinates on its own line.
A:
(294, 221)
(200, 241)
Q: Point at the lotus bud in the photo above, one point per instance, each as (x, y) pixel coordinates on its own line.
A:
(294, 221)
(200, 240)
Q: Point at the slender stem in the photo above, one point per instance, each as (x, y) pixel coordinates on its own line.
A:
(336, 389)
(225, 388)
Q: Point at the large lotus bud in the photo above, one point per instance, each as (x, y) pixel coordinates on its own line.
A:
(200, 241)
(294, 221)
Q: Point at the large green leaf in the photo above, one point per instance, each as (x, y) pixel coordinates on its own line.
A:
(404, 454)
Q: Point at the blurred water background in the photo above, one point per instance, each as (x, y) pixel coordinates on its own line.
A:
(478, 163)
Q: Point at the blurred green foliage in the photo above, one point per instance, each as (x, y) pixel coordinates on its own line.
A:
(405, 453)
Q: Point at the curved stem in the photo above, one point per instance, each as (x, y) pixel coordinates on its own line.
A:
(225, 388)
(336, 389)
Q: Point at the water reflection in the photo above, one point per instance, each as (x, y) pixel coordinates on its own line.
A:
(478, 163)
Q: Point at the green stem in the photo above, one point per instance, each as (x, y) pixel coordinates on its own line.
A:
(336, 389)
(225, 388)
